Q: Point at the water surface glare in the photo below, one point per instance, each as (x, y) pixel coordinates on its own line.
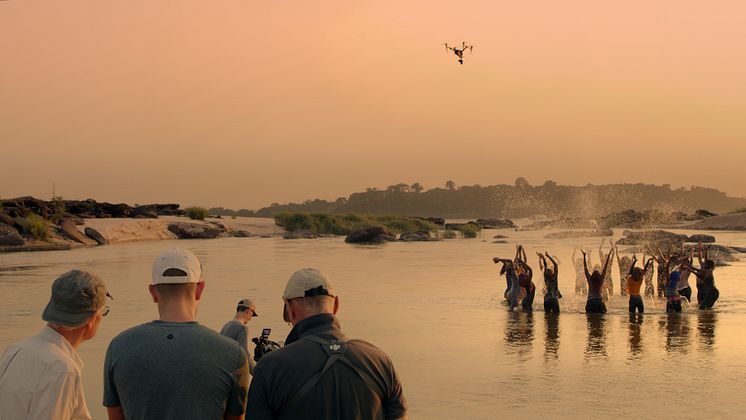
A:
(437, 309)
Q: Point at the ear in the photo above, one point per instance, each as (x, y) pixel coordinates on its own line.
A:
(153, 293)
(336, 304)
(200, 288)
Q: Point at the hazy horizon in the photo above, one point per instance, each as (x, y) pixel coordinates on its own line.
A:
(239, 105)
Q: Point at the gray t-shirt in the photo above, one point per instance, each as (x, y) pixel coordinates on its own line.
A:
(169, 370)
(239, 332)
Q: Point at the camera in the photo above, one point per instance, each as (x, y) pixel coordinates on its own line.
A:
(264, 345)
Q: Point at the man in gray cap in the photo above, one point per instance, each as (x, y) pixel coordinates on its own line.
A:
(237, 330)
(320, 373)
(40, 378)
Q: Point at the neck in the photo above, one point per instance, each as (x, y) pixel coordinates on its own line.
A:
(74, 337)
(240, 317)
(177, 311)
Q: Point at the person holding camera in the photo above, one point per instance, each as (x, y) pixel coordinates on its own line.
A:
(320, 373)
(237, 330)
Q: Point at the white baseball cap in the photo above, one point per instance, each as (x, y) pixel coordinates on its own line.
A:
(176, 265)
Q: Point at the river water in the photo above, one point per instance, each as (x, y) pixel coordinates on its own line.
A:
(437, 309)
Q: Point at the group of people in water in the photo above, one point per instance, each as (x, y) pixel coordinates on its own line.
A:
(674, 268)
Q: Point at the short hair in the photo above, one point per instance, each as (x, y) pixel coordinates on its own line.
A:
(316, 304)
(168, 291)
(242, 308)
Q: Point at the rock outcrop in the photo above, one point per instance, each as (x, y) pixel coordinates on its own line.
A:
(370, 235)
(96, 236)
(185, 230)
(417, 236)
(580, 234)
(10, 236)
(300, 234)
(67, 228)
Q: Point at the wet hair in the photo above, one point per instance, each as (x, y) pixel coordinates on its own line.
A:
(637, 273)
(709, 264)
(548, 273)
(596, 276)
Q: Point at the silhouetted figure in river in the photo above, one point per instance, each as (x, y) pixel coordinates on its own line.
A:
(624, 263)
(685, 290)
(525, 279)
(514, 291)
(634, 282)
(707, 294)
(648, 276)
(595, 303)
(581, 284)
(608, 284)
(552, 294)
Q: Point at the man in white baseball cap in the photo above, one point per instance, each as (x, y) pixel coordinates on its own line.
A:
(174, 367)
(295, 382)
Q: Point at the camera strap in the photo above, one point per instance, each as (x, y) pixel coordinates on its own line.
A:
(335, 351)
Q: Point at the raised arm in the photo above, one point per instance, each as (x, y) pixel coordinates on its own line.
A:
(632, 267)
(699, 254)
(542, 261)
(606, 264)
(554, 262)
(585, 264)
(648, 265)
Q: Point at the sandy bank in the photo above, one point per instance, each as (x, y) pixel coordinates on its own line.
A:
(724, 222)
(131, 230)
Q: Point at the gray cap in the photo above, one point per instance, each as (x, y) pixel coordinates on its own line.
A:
(247, 304)
(306, 282)
(76, 295)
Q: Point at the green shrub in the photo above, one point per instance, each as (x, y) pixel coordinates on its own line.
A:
(196, 213)
(449, 234)
(343, 224)
(739, 210)
(469, 230)
(59, 209)
(34, 226)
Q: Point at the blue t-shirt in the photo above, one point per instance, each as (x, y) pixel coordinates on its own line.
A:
(170, 370)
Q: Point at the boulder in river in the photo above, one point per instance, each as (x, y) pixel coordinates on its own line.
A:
(416, 236)
(300, 234)
(370, 235)
(67, 228)
(184, 230)
(705, 239)
(95, 235)
(145, 212)
(242, 234)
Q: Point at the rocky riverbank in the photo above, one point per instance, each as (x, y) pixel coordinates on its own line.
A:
(30, 224)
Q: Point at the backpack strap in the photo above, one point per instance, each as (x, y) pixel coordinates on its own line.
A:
(335, 351)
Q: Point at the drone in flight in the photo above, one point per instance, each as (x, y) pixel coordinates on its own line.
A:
(460, 51)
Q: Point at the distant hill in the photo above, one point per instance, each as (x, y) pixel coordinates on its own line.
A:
(516, 201)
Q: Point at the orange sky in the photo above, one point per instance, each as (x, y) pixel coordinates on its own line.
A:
(241, 104)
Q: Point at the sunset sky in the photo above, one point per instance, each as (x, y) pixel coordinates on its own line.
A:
(243, 103)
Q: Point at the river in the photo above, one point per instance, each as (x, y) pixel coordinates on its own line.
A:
(437, 309)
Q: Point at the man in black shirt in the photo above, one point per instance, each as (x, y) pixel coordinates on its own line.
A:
(320, 373)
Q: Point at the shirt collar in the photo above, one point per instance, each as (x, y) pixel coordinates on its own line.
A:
(51, 336)
(321, 324)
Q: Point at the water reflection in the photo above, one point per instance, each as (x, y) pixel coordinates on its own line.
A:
(677, 332)
(596, 346)
(706, 325)
(635, 338)
(551, 343)
(519, 331)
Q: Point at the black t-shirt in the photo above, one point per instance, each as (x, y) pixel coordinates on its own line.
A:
(340, 394)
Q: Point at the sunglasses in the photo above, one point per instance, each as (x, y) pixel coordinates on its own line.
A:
(106, 310)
